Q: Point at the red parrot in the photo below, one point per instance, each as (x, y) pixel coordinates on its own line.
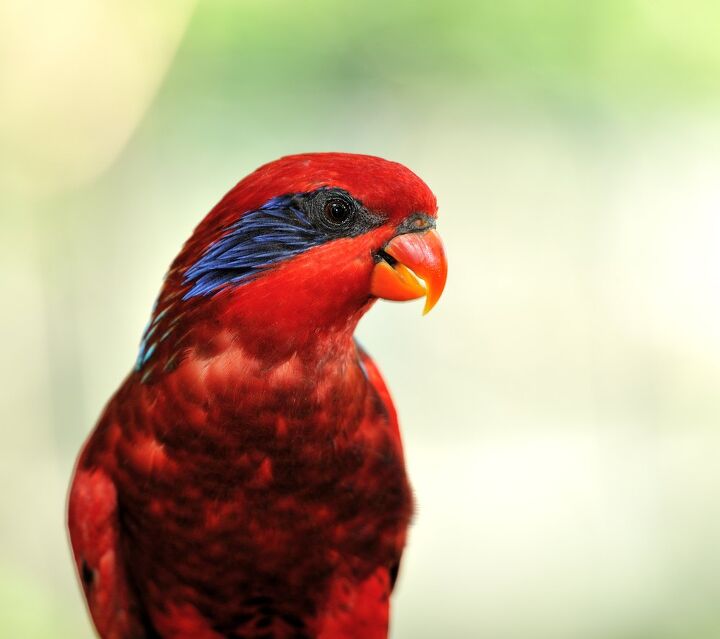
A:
(247, 479)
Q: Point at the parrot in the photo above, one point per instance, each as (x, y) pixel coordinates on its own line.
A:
(247, 479)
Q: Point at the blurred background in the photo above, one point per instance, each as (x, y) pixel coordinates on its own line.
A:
(561, 404)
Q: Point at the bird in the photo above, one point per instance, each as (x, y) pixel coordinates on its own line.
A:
(247, 479)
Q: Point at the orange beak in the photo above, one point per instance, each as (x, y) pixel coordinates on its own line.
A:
(416, 268)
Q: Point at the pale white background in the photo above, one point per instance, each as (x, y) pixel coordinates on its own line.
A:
(559, 406)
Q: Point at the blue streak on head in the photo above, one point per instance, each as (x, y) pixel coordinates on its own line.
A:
(275, 232)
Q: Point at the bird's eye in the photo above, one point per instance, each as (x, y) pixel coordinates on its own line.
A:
(337, 211)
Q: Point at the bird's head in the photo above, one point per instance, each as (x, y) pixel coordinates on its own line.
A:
(303, 246)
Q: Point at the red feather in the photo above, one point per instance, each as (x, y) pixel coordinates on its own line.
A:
(249, 480)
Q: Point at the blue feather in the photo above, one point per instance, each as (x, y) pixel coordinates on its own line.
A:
(275, 232)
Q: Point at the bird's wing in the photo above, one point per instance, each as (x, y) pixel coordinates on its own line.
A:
(94, 529)
(383, 394)
(381, 390)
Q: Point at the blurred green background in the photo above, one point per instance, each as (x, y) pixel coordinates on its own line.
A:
(560, 406)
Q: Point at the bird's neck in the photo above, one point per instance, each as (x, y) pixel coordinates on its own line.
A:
(250, 375)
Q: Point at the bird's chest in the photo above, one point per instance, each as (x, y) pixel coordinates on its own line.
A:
(286, 505)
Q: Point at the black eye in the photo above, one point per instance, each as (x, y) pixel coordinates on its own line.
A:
(337, 211)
